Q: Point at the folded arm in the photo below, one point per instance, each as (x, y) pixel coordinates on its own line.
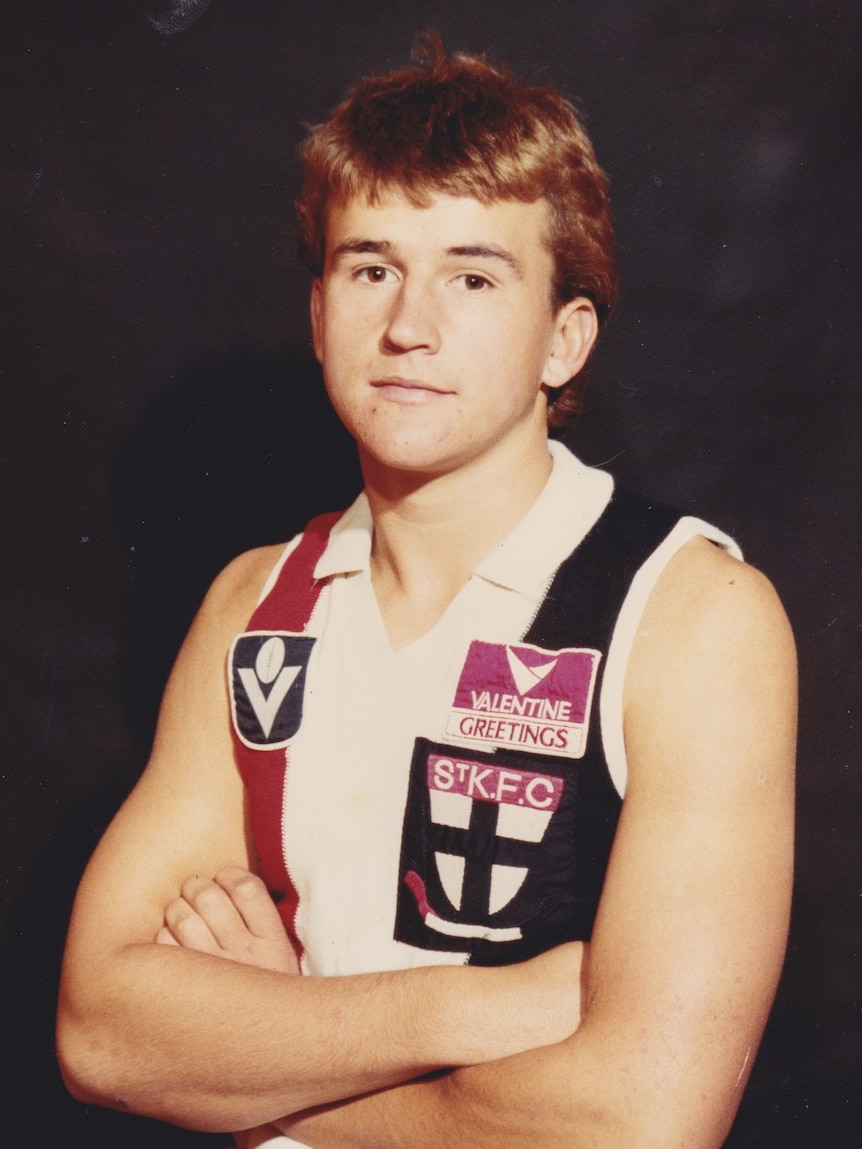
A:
(685, 955)
(181, 1034)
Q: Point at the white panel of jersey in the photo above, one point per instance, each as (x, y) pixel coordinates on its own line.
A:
(365, 704)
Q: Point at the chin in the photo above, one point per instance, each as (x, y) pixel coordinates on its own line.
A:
(409, 459)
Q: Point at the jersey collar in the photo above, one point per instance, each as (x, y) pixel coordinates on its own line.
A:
(567, 507)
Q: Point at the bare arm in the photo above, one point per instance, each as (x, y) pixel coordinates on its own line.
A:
(691, 930)
(185, 1036)
(232, 916)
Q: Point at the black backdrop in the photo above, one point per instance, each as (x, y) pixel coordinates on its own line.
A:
(159, 410)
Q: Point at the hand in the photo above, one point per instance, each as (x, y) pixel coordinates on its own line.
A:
(231, 916)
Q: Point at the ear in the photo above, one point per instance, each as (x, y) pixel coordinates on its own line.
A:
(316, 313)
(576, 328)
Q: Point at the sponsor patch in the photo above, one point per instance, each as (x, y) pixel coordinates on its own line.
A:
(267, 685)
(521, 697)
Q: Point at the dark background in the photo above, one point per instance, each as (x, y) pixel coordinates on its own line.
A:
(159, 410)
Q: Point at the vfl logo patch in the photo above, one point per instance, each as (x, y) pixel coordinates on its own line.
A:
(486, 850)
(267, 683)
(525, 698)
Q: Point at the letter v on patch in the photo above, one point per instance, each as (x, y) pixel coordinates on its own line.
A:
(267, 671)
(521, 697)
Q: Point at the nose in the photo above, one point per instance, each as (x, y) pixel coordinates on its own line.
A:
(412, 322)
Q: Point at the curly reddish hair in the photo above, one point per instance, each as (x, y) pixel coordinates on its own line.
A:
(458, 125)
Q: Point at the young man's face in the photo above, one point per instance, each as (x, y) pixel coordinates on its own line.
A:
(435, 329)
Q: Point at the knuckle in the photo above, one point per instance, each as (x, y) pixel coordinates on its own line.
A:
(177, 915)
(241, 883)
(249, 886)
(180, 918)
(187, 930)
(206, 898)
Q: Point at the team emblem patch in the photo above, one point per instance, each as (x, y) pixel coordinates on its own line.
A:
(521, 697)
(267, 685)
(487, 851)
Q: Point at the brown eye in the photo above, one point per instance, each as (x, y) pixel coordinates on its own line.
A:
(375, 274)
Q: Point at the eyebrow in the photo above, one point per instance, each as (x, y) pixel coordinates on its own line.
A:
(487, 251)
(355, 245)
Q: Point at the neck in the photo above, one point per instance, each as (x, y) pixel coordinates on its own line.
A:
(430, 532)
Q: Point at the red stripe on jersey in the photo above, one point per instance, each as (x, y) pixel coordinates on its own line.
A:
(288, 606)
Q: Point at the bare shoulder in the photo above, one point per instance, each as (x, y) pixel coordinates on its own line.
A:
(714, 662)
(197, 682)
(705, 596)
(704, 577)
(237, 587)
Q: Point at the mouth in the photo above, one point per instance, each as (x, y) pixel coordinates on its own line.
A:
(400, 389)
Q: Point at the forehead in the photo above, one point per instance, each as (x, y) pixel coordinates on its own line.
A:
(441, 224)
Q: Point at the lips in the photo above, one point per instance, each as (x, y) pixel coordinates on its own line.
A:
(397, 381)
(407, 390)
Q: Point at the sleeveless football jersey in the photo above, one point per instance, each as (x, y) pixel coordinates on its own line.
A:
(456, 800)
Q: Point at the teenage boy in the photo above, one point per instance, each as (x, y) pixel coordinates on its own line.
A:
(435, 706)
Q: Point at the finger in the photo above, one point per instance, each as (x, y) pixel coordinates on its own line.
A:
(165, 938)
(222, 916)
(266, 942)
(252, 901)
(188, 928)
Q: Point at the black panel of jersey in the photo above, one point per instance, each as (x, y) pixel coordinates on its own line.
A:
(504, 885)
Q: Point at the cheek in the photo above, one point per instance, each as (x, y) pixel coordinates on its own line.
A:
(349, 334)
